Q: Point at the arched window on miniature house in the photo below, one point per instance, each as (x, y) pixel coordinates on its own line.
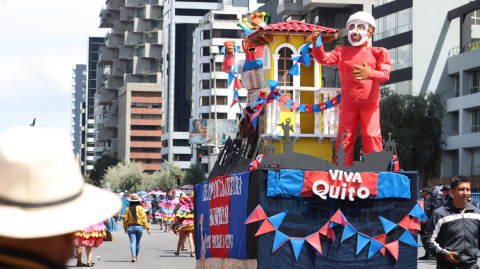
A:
(283, 65)
(266, 58)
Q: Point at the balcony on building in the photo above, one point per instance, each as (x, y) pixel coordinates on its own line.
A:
(105, 134)
(106, 55)
(113, 41)
(132, 3)
(124, 52)
(291, 7)
(149, 51)
(114, 107)
(132, 40)
(105, 96)
(119, 27)
(118, 68)
(153, 36)
(108, 17)
(112, 83)
(336, 3)
(114, 4)
(126, 13)
(111, 120)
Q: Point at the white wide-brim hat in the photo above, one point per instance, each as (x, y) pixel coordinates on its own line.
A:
(42, 191)
(362, 16)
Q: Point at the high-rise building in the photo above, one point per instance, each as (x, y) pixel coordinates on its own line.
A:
(130, 63)
(181, 19)
(79, 86)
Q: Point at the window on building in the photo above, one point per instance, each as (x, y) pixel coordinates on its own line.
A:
(225, 17)
(223, 33)
(204, 116)
(475, 120)
(284, 65)
(165, 144)
(242, 99)
(140, 12)
(205, 84)
(403, 87)
(205, 67)
(129, 67)
(221, 100)
(401, 57)
(191, 12)
(457, 85)
(181, 142)
(220, 83)
(204, 101)
(205, 34)
(475, 81)
(476, 161)
(393, 24)
(377, 3)
(182, 157)
(205, 51)
(218, 66)
(219, 116)
(476, 17)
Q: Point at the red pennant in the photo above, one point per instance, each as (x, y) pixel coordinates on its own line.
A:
(393, 249)
(257, 215)
(421, 204)
(382, 239)
(283, 99)
(229, 60)
(415, 224)
(314, 241)
(338, 218)
(265, 228)
(234, 102)
(295, 106)
(327, 232)
(238, 85)
(405, 223)
(413, 231)
(382, 250)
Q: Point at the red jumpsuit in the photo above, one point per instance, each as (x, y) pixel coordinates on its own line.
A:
(360, 98)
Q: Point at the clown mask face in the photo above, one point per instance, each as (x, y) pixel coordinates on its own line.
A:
(358, 32)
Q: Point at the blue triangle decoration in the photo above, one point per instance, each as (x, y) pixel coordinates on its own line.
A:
(295, 71)
(222, 51)
(305, 59)
(387, 225)
(348, 232)
(235, 69)
(333, 224)
(272, 84)
(304, 49)
(319, 42)
(295, 59)
(231, 77)
(362, 241)
(277, 219)
(280, 239)
(235, 47)
(407, 238)
(375, 246)
(297, 244)
(418, 212)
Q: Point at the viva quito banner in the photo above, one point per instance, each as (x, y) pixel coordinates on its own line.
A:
(221, 208)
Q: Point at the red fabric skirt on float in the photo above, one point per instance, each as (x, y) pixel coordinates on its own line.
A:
(91, 236)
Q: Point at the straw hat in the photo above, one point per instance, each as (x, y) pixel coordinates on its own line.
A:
(41, 182)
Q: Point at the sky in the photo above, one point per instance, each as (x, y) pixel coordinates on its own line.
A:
(40, 40)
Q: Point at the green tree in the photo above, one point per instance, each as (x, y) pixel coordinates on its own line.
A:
(87, 179)
(194, 175)
(416, 126)
(166, 179)
(126, 176)
(100, 167)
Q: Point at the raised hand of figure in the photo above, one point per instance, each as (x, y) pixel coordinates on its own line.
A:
(325, 39)
(361, 72)
(230, 47)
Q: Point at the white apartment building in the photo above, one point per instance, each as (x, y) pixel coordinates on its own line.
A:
(79, 82)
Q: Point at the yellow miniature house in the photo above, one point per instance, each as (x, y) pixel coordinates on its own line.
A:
(282, 42)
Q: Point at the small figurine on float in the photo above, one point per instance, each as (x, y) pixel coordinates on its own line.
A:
(250, 69)
(362, 69)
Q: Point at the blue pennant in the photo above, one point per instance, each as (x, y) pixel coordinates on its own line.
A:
(304, 49)
(387, 225)
(280, 239)
(319, 42)
(231, 78)
(316, 108)
(375, 246)
(418, 212)
(333, 224)
(235, 47)
(295, 71)
(277, 219)
(348, 232)
(235, 69)
(295, 59)
(339, 98)
(362, 241)
(302, 108)
(297, 244)
(272, 84)
(304, 59)
(407, 238)
(222, 51)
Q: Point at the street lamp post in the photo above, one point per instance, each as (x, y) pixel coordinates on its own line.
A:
(214, 51)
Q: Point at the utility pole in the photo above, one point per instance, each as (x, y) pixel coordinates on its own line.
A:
(213, 52)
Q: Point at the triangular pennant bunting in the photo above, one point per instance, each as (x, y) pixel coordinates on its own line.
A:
(362, 241)
(348, 232)
(237, 85)
(375, 246)
(339, 218)
(393, 249)
(405, 223)
(407, 238)
(421, 203)
(280, 239)
(265, 228)
(415, 224)
(277, 219)
(272, 84)
(297, 244)
(418, 212)
(257, 215)
(304, 49)
(231, 77)
(328, 232)
(295, 70)
(314, 241)
(387, 225)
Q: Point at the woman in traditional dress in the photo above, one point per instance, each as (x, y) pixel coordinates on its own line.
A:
(166, 212)
(90, 238)
(184, 224)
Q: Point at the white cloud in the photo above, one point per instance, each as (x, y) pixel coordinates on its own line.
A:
(40, 41)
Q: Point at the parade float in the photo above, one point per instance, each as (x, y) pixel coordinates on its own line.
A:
(277, 196)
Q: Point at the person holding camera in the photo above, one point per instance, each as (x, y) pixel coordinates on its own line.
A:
(452, 233)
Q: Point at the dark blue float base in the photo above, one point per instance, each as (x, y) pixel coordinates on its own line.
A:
(307, 215)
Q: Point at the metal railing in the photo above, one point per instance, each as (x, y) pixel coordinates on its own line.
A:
(467, 47)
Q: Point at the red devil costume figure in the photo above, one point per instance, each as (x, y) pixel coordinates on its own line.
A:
(361, 70)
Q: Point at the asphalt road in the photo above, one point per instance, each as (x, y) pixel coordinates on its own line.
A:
(156, 251)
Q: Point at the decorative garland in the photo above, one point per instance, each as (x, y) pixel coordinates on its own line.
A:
(377, 243)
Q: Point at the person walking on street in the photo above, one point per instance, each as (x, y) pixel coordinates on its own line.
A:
(134, 221)
(90, 238)
(184, 224)
(452, 233)
(427, 205)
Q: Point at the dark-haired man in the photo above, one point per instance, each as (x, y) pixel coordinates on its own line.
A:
(452, 233)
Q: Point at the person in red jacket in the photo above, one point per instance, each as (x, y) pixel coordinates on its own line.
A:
(361, 69)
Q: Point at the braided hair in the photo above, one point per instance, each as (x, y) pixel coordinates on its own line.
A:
(133, 209)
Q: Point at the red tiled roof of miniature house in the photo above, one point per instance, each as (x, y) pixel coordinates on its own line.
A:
(293, 25)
